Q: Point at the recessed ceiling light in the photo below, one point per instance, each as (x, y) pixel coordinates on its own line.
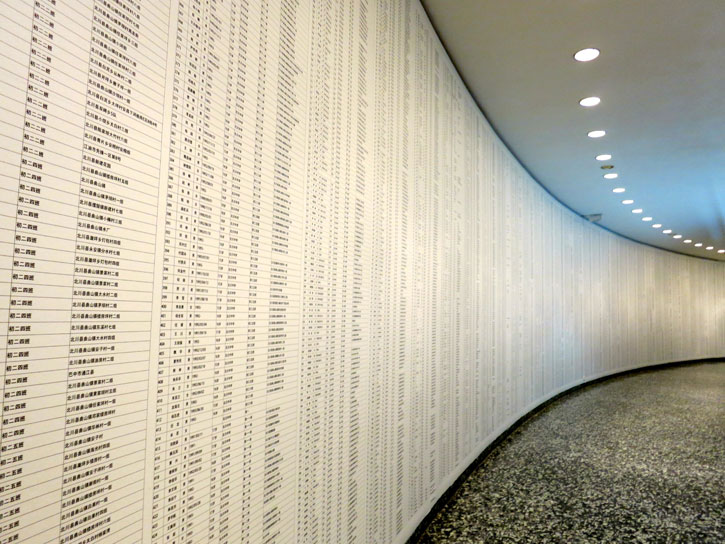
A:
(698, 244)
(603, 157)
(709, 248)
(647, 219)
(585, 55)
(657, 226)
(589, 101)
(687, 241)
(637, 210)
(677, 236)
(628, 201)
(618, 190)
(611, 176)
(596, 133)
(721, 250)
(667, 231)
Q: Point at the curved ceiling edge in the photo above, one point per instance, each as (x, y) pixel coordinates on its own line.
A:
(521, 162)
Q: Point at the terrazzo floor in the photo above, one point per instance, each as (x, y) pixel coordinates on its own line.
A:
(637, 458)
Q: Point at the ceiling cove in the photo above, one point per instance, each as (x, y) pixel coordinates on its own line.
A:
(633, 137)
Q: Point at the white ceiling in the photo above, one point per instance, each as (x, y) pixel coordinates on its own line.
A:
(661, 78)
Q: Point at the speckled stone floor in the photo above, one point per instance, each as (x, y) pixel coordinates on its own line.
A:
(638, 458)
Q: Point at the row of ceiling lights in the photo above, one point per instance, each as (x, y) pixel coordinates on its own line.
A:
(586, 55)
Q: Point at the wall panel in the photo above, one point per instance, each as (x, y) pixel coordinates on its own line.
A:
(268, 275)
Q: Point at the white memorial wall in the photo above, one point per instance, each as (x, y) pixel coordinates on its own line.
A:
(268, 276)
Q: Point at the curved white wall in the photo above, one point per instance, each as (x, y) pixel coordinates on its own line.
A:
(269, 276)
(513, 298)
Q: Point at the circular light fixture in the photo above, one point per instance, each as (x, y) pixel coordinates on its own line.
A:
(677, 236)
(647, 219)
(637, 210)
(721, 250)
(603, 157)
(590, 101)
(698, 244)
(585, 55)
(657, 226)
(687, 241)
(709, 248)
(596, 133)
(611, 176)
(618, 190)
(667, 231)
(628, 201)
